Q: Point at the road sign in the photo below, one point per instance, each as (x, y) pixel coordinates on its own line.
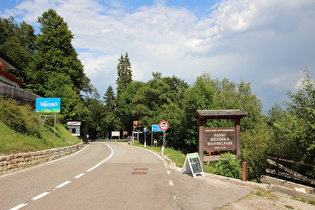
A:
(156, 128)
(192, 165)
(164, 125)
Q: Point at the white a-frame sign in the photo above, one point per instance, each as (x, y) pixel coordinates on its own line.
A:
(192, 165)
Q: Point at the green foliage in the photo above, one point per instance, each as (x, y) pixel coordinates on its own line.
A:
(228, 166)
(55, 54)
(256, 144)
(21, 130)
(124, 74)
(19, 118)
(17, 42)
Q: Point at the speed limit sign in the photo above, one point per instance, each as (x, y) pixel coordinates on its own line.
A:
(163, 125)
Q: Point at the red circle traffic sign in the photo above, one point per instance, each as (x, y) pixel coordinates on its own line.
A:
(163, 125)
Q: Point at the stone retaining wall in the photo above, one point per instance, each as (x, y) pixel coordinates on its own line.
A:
(15, 162)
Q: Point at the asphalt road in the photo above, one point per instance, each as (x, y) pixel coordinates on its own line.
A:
(113, 176)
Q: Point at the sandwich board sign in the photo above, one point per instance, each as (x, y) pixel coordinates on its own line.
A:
(192, 165)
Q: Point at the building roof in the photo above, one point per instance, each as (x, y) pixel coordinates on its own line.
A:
(220, 114)
(8, 62)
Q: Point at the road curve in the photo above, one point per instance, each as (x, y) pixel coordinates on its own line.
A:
(112, 176)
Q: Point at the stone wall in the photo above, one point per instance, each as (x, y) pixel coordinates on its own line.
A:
(15, 162)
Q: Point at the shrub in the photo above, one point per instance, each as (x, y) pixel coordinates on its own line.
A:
(228, 166)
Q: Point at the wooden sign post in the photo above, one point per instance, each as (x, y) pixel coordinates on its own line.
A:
(219, 139)
(193, 165)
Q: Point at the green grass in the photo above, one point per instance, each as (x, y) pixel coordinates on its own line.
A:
(12, 142)
(21, 130)
(176, 156)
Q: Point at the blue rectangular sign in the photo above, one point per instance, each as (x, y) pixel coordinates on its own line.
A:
(156, 128)
(48, 105)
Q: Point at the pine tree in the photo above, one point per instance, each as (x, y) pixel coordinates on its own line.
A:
(55, 53)
(110, 99)
(124, 74)
(57, 70)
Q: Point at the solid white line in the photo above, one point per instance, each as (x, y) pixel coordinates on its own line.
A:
(165, 164)
(63, 184)
(40, 196)
(19, 206)
(103, 161)
(78, 176)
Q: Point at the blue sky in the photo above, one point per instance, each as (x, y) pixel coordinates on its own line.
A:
(266, 43)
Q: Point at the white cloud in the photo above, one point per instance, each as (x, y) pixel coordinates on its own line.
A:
(266, 43)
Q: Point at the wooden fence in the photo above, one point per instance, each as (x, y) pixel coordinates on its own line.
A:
(283, 171)
(18, 94)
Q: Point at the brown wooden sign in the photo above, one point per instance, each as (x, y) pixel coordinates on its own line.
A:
(219, 139)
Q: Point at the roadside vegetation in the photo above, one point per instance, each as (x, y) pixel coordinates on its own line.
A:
(21, 130)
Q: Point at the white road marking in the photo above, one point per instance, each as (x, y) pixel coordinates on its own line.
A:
(170, 183)
(168, 172)
(66, 182)
(63, 184)
(19, 206)
(103, 161)
(40, 196)
(165, 164)
(78, 176)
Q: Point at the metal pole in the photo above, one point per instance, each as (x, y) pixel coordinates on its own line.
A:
(163, 145)
(55, 127)
(145, 139)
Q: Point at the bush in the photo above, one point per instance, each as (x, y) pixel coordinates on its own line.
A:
(228, 166)
(19, 118)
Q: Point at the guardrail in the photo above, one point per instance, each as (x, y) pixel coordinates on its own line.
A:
(19, 94)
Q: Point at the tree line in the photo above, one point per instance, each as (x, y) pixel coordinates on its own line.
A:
(51, 68)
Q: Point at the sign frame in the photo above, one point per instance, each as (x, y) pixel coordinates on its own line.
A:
(193, 165)
(48, 105)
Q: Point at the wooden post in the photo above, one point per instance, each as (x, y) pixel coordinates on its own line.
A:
(237, 124)
(201, 133)
(244, 171)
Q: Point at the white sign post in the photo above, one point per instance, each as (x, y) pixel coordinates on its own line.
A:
(163, 125)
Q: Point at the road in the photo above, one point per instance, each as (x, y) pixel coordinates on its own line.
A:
(112, 176)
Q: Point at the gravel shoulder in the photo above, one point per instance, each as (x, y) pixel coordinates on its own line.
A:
(260, 198)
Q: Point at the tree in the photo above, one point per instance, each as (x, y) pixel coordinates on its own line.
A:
(95, 114)
(57, 70)
(110, 99)
(124, 74)
(55, 53)
(17, 42)
(200, 96)
(301, 117)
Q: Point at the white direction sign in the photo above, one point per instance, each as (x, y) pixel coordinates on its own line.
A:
(163, 125)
